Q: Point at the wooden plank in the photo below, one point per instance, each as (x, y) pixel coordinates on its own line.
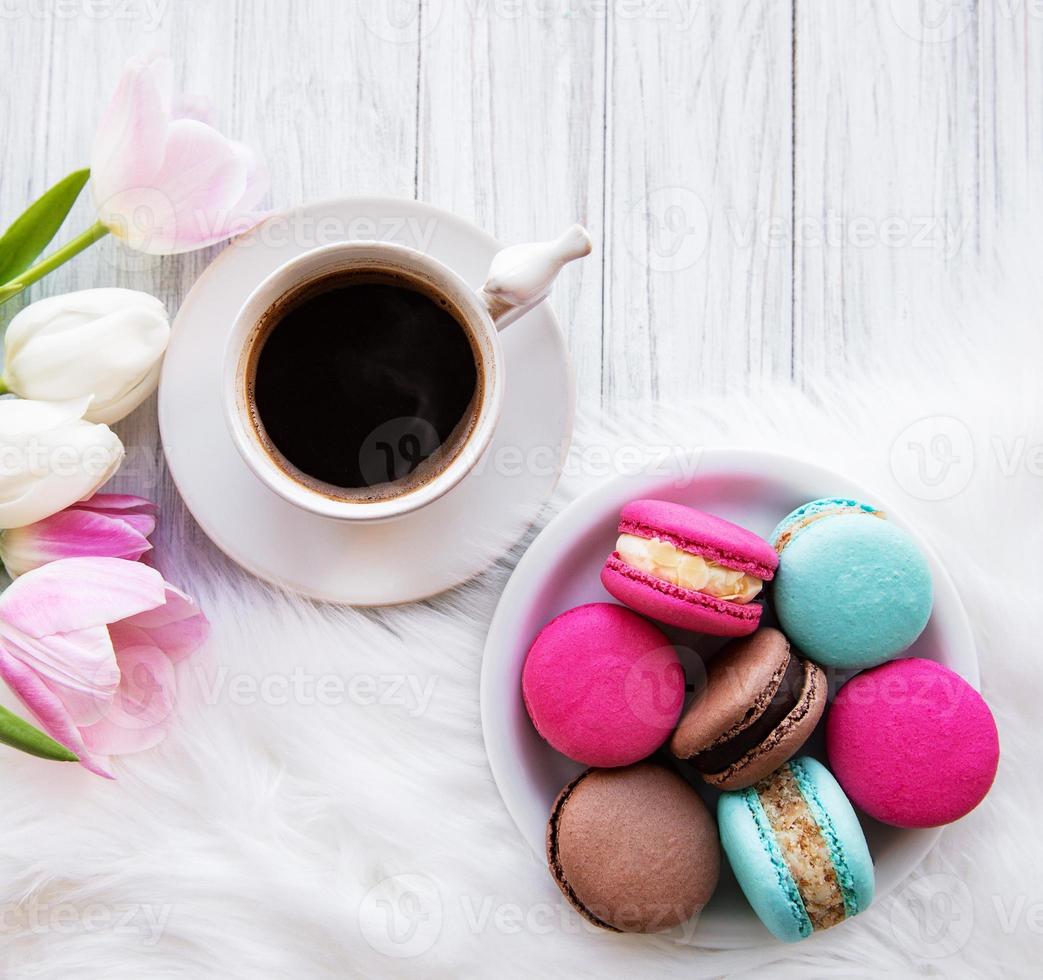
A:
(698, 200)
(917, 127)
(511, 137)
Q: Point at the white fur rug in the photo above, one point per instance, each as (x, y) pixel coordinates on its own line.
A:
(328, 778)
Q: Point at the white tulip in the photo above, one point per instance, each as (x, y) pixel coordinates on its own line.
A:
(50, 457)
(105, 343)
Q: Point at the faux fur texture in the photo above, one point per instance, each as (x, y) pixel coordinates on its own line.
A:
(324, 807)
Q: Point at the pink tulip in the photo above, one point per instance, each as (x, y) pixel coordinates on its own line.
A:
(107, 525)
(163, 179)
(89, 646)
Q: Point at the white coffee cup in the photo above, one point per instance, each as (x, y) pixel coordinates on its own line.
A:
(519, 277)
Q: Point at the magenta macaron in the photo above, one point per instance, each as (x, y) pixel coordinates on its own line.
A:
(603, 685)
(912, 743)
(689, 569)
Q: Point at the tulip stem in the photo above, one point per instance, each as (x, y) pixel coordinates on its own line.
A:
(60, 257)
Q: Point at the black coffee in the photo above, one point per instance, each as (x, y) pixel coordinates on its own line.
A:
(360, 383)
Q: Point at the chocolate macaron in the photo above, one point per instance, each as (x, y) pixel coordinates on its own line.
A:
(633, 849)
(760, 703)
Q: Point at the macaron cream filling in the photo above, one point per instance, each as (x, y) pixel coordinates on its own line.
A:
(669, 563)
(817, 510)
(733, 745)
(808, 855)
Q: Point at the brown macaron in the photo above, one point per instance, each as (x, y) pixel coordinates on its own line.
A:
(633, 849)
(760, 704)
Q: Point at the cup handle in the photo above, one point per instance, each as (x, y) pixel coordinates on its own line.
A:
(520, 276)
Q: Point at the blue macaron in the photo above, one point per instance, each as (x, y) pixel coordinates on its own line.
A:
(797, 850)
(852, 590)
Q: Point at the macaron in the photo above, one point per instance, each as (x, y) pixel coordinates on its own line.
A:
(633, 849)
(852, 589)
(797, 850)
(603, 685)
(760, 704)
(688, 569)
(912, 743)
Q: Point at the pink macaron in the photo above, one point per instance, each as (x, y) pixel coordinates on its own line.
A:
(689, 569)
(602, 685)
(912, 743)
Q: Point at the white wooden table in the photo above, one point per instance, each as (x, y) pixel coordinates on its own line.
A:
(767, 182)
(771, 185)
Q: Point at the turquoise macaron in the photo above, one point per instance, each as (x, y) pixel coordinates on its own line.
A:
(797, 850)
(852, 589)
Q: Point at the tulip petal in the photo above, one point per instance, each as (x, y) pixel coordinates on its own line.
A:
(138, 512)
(104, 343)
(47, 708)
(21, 415)
(128, 145)
(194, 105)
(200, 172)
(80, 664)
(204, 192)
(178, 627)
(121, 503)
(258, 179)
(121, 407)
(141, 712)
(72, 533)
(78, 593)
(50, 458)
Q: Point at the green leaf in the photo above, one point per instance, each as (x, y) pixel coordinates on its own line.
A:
(33, 230)
(19, 734)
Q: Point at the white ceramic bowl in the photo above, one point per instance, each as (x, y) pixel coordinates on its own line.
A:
(560, 570)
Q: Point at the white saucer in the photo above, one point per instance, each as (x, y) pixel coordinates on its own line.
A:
(414, 556)
(561, 569)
